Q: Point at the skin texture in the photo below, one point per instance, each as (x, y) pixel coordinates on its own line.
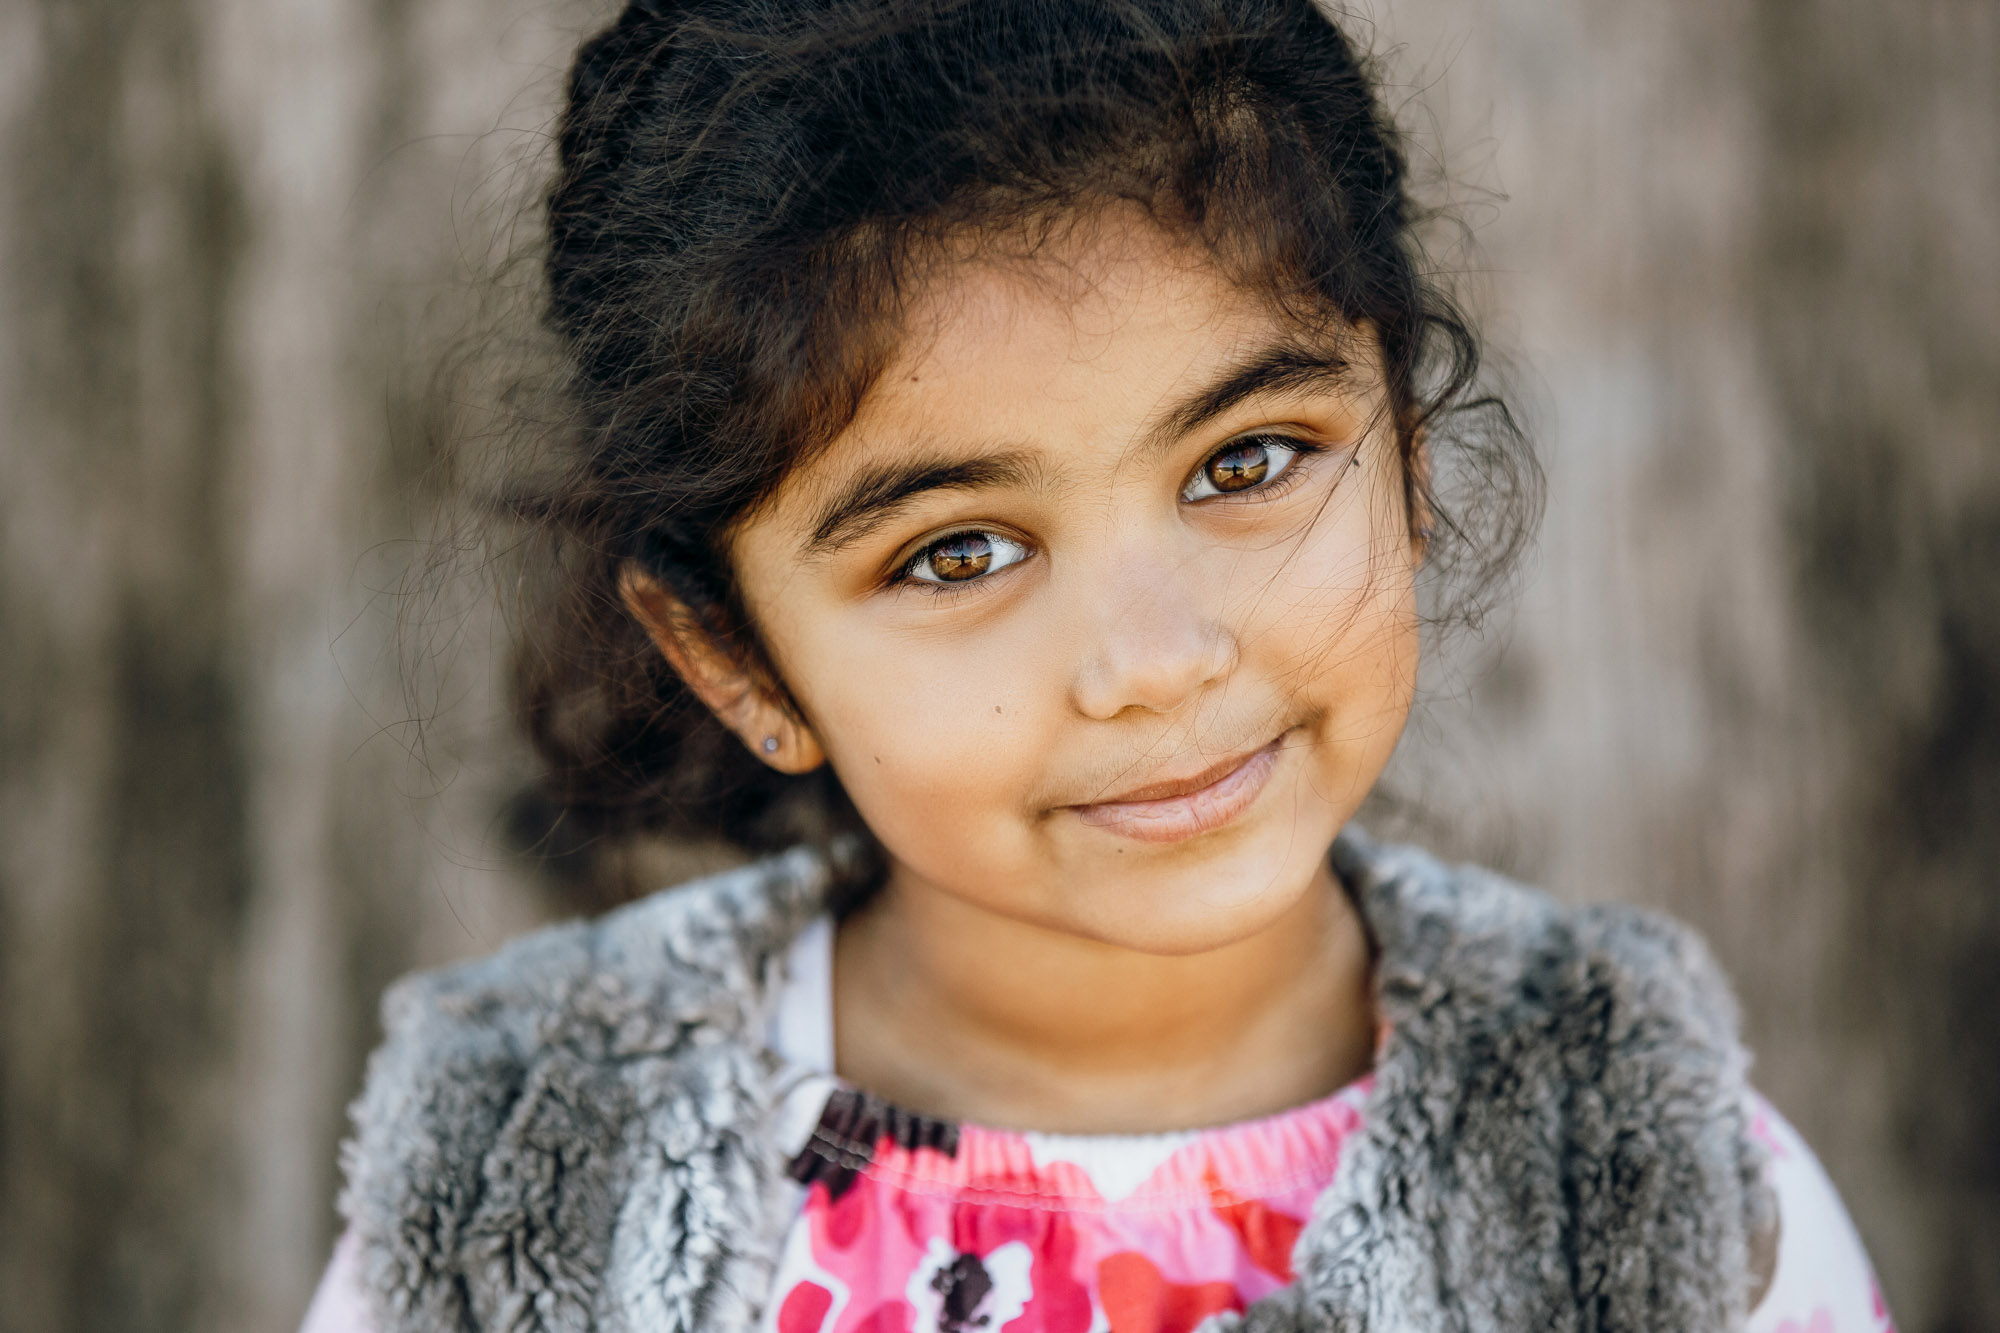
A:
(1043, 955)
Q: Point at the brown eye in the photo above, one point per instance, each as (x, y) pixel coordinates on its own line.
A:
(964, 556)
(960, 558)
(1244, 465)
(1239, 467)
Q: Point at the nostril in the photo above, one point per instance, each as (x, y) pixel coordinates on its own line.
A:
(1156, 664)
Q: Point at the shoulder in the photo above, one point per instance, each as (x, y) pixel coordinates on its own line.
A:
(458, 1042)
(1822, 1280)
(1505, 949)
(1567, 1082)
(682, 947)
(508, 1092)
(1617, 1017)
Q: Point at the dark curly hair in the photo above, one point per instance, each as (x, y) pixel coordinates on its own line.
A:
(744, 189)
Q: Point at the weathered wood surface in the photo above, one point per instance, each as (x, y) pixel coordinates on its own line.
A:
(1747, 259)
(227, 226)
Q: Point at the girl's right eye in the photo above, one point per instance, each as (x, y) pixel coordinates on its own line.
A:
(964, 557)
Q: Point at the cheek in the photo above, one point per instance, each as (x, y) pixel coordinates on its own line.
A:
(931, 738)
(1330, 618)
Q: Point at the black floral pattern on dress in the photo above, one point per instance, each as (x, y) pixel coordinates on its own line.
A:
(850, 1125)
(965, 1284)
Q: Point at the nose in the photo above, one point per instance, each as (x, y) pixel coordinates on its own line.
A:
(1147, 644)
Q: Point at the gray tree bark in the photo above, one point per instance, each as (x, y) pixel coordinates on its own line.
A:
(1747, 263)
(224, 224)
(1749, 260)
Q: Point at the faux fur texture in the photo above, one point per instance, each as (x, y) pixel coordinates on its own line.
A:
(575, 1134)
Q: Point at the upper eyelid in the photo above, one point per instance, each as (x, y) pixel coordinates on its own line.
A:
(1294, 434)
(899, 572)
(900, 577)
(924, 543)
(899, 568)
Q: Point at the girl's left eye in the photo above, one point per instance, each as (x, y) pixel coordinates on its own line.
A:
(964, 557)
(1243, 465)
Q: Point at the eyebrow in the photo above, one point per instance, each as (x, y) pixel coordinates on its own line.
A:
(1272, 369)
(871, 499)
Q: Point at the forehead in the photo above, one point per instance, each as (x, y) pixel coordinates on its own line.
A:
(1078, 341)
(1111, 300)
(1095, 275)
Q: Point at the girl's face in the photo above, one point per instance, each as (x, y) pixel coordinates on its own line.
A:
(1102, 607)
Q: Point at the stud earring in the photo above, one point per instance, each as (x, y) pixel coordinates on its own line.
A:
(770, 745)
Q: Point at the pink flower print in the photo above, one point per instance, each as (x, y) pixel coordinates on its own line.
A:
(804, 1309)
(1821, 1322)
(841, 1242)
(1765, 1133)
(888, 1317)
(1137, 1299)
(809, 1298)
(1055, 1301)
(1267, 1234)
(1882, 1318)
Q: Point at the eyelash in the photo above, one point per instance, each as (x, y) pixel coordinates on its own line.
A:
(905, 577)
(1293, 473)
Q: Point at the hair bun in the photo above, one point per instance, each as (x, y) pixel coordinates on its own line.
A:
(600, 55)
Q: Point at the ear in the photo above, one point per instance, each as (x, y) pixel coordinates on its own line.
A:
(763, 722)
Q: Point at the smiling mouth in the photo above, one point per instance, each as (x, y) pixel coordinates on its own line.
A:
(1176, 810)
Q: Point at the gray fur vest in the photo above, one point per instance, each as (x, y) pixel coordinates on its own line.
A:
(575, 1134)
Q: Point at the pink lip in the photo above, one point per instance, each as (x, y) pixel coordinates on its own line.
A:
(1173, 811)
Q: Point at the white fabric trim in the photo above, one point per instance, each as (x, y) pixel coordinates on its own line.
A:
(802, 1019)
(1823, 1282)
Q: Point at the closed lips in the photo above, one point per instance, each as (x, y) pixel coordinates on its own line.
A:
(1182, 808)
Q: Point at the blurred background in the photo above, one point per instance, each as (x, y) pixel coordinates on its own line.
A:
(1743, 263)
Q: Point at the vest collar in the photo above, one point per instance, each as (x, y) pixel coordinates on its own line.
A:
(578, 1133)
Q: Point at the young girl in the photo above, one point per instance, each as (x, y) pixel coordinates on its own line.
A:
(1002, 450)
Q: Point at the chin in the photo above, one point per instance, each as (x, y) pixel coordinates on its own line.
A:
(1194, 909)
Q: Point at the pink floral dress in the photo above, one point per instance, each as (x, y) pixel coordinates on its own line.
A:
(916, 1225)
(911, 1224)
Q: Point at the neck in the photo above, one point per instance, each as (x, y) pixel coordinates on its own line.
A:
(951, 1009)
